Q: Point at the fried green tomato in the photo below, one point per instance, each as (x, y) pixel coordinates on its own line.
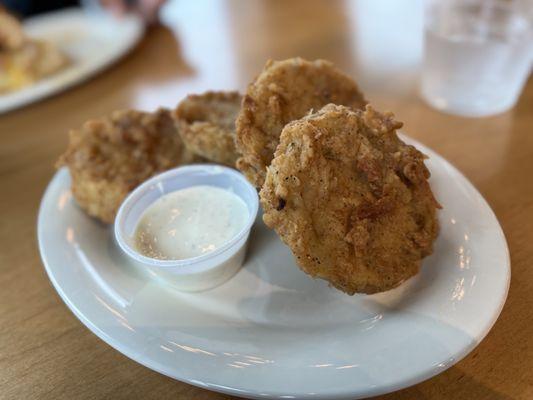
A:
(350, 199)
(285, 91)
(207, 125)
(109, 157)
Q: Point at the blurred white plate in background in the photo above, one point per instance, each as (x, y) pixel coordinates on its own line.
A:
(93, 40)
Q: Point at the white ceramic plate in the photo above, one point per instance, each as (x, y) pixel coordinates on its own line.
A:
(92, 40)
(272, 331)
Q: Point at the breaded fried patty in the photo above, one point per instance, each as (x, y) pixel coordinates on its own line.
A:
(285, 91)
(108, 157)
(351, 199)
(207, 125)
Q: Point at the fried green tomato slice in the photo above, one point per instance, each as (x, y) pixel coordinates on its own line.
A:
(109, 157)
(207, 125)
(285, 91)
(350, 199)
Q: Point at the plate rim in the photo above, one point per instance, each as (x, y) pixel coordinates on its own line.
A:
(346, 394)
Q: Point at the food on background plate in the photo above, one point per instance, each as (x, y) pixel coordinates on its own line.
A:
(285, 91)
(108, 157)
(23, 60)
(207, 125)
(11, 33)
(350, 199)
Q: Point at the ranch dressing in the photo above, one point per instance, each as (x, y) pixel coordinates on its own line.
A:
(189, 223)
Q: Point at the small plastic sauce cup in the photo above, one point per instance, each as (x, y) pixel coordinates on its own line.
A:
(197, 273)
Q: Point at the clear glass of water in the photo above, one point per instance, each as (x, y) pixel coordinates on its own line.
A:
(478, 55)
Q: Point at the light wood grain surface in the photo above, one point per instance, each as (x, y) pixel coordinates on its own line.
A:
(46, 353)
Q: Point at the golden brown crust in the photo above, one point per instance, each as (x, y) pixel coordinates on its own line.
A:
(285, 91)
(108, 157)
(351, 199)
(207, 125)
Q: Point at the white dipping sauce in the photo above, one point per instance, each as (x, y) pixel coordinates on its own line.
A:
(190, 222)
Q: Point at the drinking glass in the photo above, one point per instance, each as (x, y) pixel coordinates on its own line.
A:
(478, 55)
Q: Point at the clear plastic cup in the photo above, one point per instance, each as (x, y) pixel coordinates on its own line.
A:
(478, 55)
(197, 273)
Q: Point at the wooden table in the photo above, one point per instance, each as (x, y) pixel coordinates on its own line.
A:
(46, 353)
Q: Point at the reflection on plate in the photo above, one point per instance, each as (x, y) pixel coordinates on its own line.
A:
(272, 331)
(91, 42)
